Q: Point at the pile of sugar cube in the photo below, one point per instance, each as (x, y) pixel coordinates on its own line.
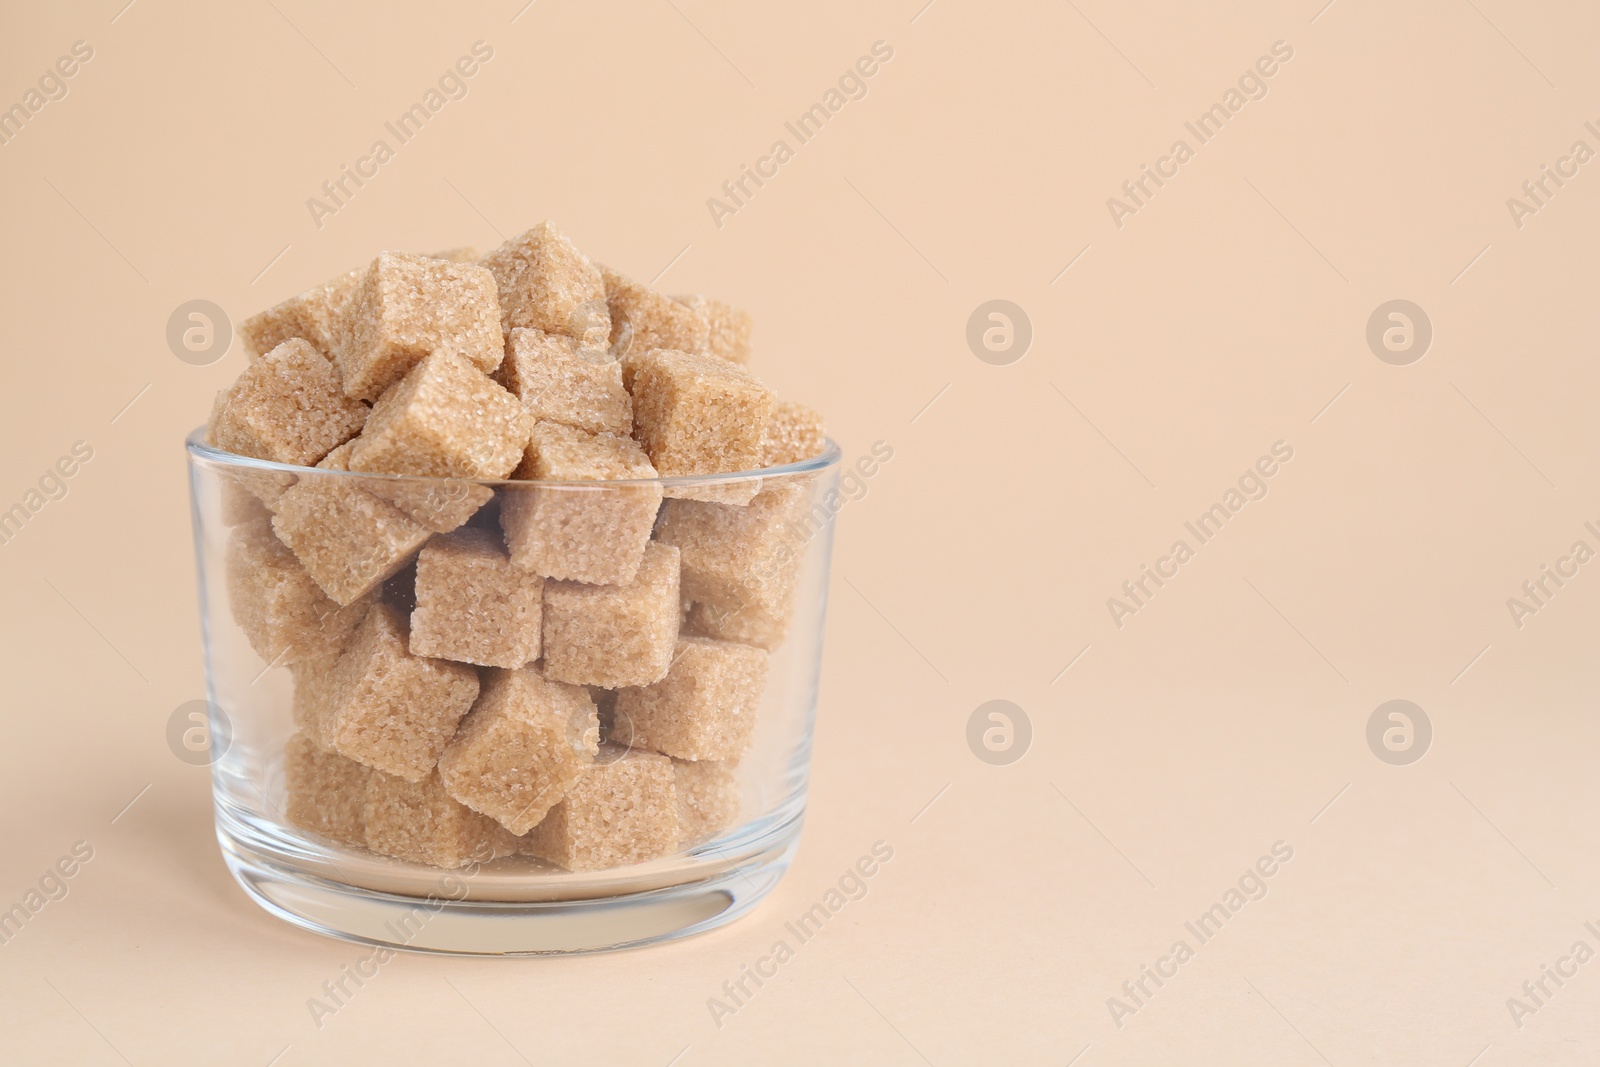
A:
(567, 670)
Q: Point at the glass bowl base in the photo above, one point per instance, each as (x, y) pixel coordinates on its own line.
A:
(468, 927)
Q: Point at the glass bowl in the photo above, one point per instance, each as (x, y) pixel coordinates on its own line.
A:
(755, 573)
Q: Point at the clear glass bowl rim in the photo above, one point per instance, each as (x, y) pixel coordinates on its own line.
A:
(198, 449)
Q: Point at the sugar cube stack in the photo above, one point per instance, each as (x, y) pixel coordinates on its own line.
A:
(508, 635)
(524, 743)
(794, 433)
(473, 605)
(313, 317)
(327, 792)
(347, 539)
(727, 328)
(740, 564)
(704, 708)
(439, 504)
(411, 307)
(559, 379)
(283, 612)
(708, 797)
(622, 809)
(592, 533)
(443, 419)
(545, 283)
(699, 414)
(423, 823)
(614, 635)
(379, 704)
(642, 320)
(287, 407)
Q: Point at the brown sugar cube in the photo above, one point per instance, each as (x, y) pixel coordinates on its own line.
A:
(286, 407)
(409, 307)
(462, 254)
(794, 433)
(239, 505)
(697, 414)
(524, 743)
(642, 319)
(444, 419)
(724, 490)
(421, 822)
(339, 458)
(313, 683)
(380, 705)
(740, 564)
(545, 283)
(473, 606)
(705, 708)
(622, 809)
(327, 793)
(560, 380)
(346, 538)
(614, 635)
(440, 504)
(708, 797)
(313, 316)
(281, 609)
(586, 533)
(736, 491)
(248, 494)
(728, 333)
(748, 624)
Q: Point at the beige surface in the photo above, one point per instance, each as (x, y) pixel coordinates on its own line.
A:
(1225, 315)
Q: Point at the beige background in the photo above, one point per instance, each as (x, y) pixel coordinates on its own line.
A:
(1226, 315)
